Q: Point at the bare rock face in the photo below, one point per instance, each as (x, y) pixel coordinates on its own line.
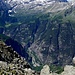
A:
(68, 70)
(73, 60)
(45, 70)
(3, 64)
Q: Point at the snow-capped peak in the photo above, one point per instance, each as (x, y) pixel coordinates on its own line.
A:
(71, 1)
(34, 6)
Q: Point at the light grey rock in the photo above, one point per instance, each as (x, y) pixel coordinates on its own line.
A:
(73, 60)
(68, 70)
(45, 70)
(3, 64)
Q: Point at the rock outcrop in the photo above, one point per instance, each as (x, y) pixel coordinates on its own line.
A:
(11, 63)
(68, 70)
(73, 60)
(45, 70)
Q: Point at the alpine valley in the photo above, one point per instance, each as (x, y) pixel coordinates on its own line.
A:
(44, 29)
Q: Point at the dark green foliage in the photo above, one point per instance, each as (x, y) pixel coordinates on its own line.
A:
(3, 37)
(38, 68)
(57, 69)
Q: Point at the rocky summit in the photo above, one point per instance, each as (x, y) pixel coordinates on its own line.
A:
(13, 64)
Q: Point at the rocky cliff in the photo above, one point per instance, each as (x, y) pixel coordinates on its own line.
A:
(11, 63)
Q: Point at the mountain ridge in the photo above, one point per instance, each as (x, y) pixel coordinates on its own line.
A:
(35, 6)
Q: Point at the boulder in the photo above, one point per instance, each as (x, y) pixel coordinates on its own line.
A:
(68, 70)
(3, 64)
(45, 70)
(73, 60)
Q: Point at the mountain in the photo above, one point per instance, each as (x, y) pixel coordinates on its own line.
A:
(34, 6)
(45, 29)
